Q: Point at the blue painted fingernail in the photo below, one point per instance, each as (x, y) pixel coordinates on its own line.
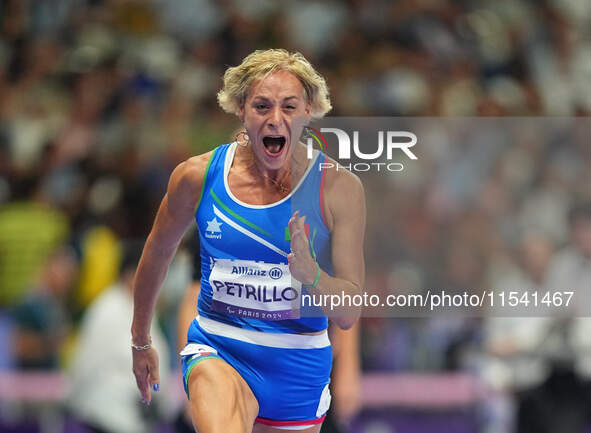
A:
(156, 387)
(144, 401)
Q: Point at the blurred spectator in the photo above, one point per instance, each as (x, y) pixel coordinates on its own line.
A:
(565, 392)
(104, 395)
(99, 268)
(570, 269)
(29, 230)
(514, 359)
(42, 320)
(516, 342)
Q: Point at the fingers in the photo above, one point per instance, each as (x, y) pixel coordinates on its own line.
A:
(155, 378)
(297, 231)
(296, 221)
(141, 379)
(292, 224)
(301, 263)
(290, 258)
(145, 369)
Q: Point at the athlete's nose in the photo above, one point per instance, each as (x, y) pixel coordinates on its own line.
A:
(275, 117)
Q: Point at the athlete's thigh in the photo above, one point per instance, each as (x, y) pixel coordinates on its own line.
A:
(262, 428)
(220, 399)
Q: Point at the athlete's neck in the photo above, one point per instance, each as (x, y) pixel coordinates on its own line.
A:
(282, 178)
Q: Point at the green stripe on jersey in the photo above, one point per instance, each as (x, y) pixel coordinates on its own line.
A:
(205, 178)
(238, 217)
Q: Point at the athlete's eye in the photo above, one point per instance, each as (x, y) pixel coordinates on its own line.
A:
(261, 107)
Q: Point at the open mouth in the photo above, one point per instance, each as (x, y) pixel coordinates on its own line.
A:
(274, 144)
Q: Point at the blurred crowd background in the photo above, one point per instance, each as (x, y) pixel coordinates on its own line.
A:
(101, 99)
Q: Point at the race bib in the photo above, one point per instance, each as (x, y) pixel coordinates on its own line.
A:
(254, 290)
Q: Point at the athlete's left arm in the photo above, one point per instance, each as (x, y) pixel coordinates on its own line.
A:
(345, 200)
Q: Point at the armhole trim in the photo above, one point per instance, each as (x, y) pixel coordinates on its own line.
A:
(322, 196)
(203, 184)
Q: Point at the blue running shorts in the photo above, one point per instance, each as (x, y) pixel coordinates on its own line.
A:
(288, 373)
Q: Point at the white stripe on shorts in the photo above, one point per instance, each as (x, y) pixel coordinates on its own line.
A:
(269, 339)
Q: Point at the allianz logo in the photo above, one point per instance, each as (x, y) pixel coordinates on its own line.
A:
(275, 273)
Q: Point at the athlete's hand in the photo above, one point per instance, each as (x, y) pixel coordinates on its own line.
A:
(302, 265)
(145, 369)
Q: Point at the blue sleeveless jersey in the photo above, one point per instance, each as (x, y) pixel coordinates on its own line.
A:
(245, 280)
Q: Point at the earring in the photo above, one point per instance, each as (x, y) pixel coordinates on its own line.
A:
(244, 136)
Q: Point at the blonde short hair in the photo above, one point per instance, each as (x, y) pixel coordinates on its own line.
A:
(261, 63)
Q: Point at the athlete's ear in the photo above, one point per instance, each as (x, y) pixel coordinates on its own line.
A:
(308, 109)
(241, 113)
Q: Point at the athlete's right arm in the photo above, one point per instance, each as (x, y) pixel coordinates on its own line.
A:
(174, 216)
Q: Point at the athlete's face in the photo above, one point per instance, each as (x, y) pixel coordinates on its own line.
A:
(272, 105)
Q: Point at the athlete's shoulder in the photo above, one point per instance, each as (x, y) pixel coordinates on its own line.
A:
(338, 180)
(193, 169)
(187, 178)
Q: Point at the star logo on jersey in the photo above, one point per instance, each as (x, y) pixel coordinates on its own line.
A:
(213, 229)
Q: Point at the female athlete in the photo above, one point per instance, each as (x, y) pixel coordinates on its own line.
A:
(274, 225)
